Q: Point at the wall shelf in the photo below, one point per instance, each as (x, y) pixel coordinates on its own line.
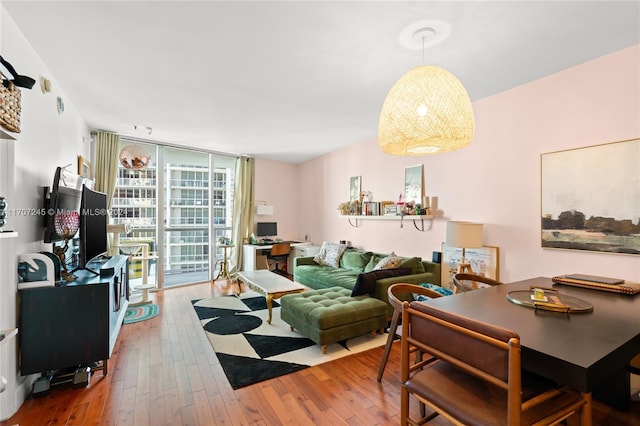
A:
(389, 217)
(8, 234)
(414, 218)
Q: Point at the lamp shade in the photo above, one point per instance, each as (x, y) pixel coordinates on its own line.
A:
(427, 111)
(464, 234)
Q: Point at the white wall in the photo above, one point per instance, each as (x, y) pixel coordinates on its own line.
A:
(47, 140)
(495, 180)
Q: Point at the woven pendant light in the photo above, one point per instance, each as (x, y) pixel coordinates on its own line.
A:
(427, 111)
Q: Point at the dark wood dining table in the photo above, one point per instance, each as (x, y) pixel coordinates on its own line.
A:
(587, 351)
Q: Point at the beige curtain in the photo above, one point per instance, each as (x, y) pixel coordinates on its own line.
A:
(106, 172)
(107, 150)
(242, 208)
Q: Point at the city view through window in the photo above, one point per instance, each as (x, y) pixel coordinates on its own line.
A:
(173, 207)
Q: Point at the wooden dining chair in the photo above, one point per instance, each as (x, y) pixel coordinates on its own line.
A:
(466, 282)
(477, 378)
(397, 293)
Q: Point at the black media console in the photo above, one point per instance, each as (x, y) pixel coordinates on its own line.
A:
(73, 326)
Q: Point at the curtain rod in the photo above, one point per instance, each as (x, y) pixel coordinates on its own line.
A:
(167, 144)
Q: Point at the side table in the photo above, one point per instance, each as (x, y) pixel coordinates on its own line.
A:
(224, 264)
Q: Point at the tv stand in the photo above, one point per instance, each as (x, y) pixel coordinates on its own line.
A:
(86, 269)
(73, 326)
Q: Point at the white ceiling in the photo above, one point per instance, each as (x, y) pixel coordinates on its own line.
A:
(293, 80)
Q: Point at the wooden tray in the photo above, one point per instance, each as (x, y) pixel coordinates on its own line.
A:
(556, 302)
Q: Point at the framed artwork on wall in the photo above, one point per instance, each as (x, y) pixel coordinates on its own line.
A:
(483, 261)
(84, 167)
(590, 198)
(413, 178)
(355, 188)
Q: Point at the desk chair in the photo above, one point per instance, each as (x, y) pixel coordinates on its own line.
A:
(467, 282)
(477, 378)
(397, 293)
(278, 253)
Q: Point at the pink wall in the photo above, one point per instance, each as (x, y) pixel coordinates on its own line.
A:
(277, 186)
(496, 180)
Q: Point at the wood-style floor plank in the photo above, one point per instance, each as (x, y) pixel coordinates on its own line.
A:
(163, 371)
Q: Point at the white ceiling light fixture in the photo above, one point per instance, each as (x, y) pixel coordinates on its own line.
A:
(145, 130)
(428, 110)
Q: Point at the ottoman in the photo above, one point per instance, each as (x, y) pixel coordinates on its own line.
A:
(331, 315)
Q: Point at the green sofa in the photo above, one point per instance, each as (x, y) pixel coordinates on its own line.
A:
(354, 262)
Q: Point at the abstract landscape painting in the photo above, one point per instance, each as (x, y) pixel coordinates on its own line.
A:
(591, 198)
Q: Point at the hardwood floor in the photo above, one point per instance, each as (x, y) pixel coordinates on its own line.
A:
(164, 372)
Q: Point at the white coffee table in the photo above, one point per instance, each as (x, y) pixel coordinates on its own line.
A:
(269, 284)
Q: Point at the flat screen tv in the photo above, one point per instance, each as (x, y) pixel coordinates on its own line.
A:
(58, 198)
(93, 237)
(266, 229)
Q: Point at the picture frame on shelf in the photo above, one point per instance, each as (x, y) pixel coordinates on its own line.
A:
(355, 188)
(389, 208)
(483, 261)
(413, 184)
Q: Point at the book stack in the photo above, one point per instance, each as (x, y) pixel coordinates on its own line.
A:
(371, 208)
(613, 285)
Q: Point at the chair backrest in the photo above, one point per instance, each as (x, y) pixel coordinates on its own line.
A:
(280, 249)
(466, 282)
(401, 292)
(489, 352)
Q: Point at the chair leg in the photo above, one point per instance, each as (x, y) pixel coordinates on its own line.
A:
(395, 319)
(404, 406)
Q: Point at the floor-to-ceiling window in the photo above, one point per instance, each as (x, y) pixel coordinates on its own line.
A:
(174, 206)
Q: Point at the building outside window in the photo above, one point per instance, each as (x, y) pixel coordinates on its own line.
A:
(195, 205)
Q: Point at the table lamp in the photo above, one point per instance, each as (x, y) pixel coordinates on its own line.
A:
(66, 225)
(464, 235)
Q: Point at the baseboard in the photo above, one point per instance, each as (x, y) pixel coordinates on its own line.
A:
(20, 394)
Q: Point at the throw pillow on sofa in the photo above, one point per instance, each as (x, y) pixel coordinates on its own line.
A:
(389, 262)
(415, 263)
(355, 259)
(366, 282)
(330, 254)
(375, 258)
